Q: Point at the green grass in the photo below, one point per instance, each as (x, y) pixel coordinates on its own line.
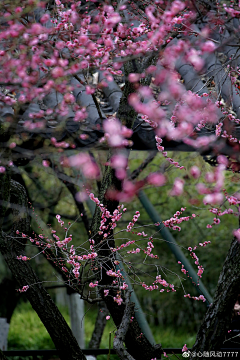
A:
(27, 332)
(170, 337)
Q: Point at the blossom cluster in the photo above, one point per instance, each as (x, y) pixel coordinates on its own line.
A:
(24, 288)
(67, 41)
(134, 220)
(108, 220)
(196, 259)
(200, 297)
(161, 149)
(23, 257)
(116, 134)
(171, 223)
(163, 282)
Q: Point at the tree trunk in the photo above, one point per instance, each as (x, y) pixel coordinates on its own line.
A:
(99, 326)
(11, 246)
(121, 332)
(212, 332)
(8, 301)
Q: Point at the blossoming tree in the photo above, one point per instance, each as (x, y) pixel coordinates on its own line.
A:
(60, 65)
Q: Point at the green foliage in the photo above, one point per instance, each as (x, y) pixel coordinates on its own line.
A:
(27, 331)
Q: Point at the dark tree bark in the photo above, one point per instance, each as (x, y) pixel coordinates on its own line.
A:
(212, 332)
(12, 246)
(9, 298)
(99, 326)
(122, 330)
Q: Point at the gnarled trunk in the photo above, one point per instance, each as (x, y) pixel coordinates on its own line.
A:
(212, 332)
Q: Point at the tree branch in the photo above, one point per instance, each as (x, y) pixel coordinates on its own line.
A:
(99, 326)
(213, 330)
(144, 164)
(122, 330)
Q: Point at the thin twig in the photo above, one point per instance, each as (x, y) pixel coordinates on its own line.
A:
(145, 163)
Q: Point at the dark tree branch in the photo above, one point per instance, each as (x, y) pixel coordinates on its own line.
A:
(9, 298)
(73, 190)
(122, 330)
(99, 326)
(212, 332)
(144, 164)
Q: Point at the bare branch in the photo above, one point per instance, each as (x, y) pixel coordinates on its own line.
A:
(123, 328)
(144, 164)
(99, 326)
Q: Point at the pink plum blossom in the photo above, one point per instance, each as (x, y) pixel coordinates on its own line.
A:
(208, 46)
(178, 187)
(236, 233)
(195, 172)
(156, 179)
(84, 162)
(213, 199)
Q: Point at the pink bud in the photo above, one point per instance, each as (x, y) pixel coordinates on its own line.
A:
(45, 163)
(195, 172)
